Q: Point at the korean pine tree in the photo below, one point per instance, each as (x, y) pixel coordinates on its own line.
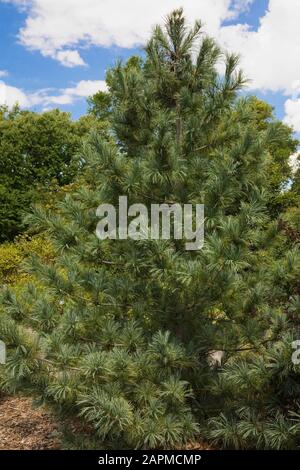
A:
(122, 332)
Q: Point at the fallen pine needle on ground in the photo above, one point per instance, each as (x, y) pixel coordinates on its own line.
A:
(25, 428)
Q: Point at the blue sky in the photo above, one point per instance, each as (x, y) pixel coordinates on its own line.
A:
(54, 53)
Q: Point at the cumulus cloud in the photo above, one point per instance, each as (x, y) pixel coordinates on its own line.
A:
(59, 29)
(70, 58)
(3, 73)
(86, 88)
(241, 5)
(48, 97)
(294, 162)
(292, 113)
(267, 53)
(82, 89)
(10, 95)
(56, 27)
(292, 107)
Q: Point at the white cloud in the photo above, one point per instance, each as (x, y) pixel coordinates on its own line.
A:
(294, 162)
(292, 113)
(57, 27)
(86, 88)
(241, 5)
(3, 73)
(48, 97)
(82, 89)
(10, 95)
(269, 55)
(292, 107)
(70, 58)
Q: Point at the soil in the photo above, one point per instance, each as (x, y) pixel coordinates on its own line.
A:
(25, 428)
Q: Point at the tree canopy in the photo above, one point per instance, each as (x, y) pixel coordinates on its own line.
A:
(36, 153)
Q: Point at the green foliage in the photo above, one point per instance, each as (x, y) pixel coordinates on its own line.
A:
(266, 389)
(122, 332)
(13, 255)
(99, 105)
(280, 149)
(36, 156)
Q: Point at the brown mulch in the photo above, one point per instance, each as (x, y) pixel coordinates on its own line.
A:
(25, 428)
(201, 445)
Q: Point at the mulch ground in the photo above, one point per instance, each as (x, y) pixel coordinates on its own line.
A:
(25, 428)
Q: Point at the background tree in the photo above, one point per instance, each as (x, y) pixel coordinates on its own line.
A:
(99, 105)
(36, 155)
(280, 174)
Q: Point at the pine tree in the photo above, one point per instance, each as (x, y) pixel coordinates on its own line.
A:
(122, 332)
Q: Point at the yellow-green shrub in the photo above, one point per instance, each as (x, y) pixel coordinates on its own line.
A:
(12, 256)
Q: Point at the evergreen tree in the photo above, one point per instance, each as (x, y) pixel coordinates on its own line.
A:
(122, 332)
